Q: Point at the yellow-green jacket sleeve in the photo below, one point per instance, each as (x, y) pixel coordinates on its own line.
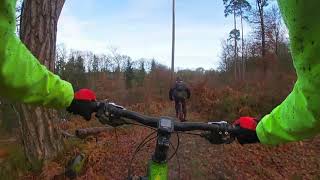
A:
(298, 117)
(22, 77)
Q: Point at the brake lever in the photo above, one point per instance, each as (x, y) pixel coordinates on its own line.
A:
(106, 117)
(221, 135)
(116, 105)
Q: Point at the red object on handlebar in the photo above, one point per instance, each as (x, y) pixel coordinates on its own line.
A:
(85, 94)
(247, 123)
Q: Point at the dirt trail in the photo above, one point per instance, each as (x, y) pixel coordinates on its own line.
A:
(109, 157)
(198, 159)
(202, 160)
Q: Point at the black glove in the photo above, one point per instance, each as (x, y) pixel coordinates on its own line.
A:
(83, 104)
(247, 132)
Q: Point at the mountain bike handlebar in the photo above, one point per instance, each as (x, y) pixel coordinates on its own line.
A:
(214, 132)
(112, 114)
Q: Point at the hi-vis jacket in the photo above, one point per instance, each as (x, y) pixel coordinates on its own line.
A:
(24, 79)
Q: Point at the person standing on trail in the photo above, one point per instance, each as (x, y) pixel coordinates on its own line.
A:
(179, 93)
(24, 79)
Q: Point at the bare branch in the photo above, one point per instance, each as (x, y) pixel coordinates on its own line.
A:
(83, 133)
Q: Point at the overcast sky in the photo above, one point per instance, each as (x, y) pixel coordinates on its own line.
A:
(142, 28)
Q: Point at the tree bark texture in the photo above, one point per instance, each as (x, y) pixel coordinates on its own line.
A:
(40, 136)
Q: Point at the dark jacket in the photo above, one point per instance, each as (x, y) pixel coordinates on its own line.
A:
(179, 86)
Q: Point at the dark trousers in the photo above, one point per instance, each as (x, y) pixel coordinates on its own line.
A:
(184, 107)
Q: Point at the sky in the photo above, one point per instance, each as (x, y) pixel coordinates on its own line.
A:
(142, 29)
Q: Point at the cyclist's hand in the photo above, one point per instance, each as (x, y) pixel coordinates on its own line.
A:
(247, 133)
(83, 104)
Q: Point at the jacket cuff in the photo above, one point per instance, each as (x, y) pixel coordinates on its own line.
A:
(261, 132)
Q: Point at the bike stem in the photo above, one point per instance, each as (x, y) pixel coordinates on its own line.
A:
(161, 152)
(165, 128)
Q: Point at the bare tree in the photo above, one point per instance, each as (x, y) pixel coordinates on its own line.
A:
(116, 59)
(244, 6)
(237, 8)
(258, 20)
(226, 57)
(274, 29)
(38, 31)
(261, 4)
(18, 15)
(231, 8)
(61, 58)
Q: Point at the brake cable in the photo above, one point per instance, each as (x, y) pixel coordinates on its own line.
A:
(140, 146)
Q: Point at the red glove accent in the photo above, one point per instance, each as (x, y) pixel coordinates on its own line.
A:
(85, 94)
(247, 123)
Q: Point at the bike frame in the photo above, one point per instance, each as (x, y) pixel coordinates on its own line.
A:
(157, 171)
(158, 165)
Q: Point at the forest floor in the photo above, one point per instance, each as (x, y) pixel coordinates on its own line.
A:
(109, 154)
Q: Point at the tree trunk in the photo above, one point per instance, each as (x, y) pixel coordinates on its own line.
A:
(235, 46)
(263, 39)
(38, 31)
(263, 36)
(173, 39)
(277, 34)
(242, 48)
